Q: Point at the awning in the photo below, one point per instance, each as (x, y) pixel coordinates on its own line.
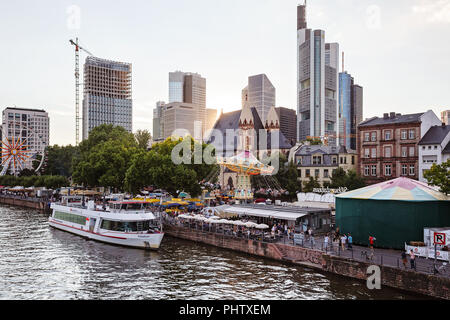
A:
(273, 214)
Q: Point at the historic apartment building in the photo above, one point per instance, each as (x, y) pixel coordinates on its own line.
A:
(388, 146)
(319, 162)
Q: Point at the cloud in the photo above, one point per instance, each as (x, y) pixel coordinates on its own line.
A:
(433, 11)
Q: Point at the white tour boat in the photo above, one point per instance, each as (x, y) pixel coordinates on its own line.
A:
(126, 223)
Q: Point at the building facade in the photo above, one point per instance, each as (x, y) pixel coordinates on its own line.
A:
(179, 120)
(319, 162)
(158, 128)
(187, 87)
(107, 94)
(431, 149)
(350, 110)
(260, 94)
(388, 146)
(30, 126)
(317, 83)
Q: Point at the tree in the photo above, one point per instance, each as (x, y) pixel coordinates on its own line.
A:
(350, 180)
(105, 157)
(59, 160)
(157, 168)
(439, 176)
(315, 141)
(143, 138)
(287, 176)
(310, 185)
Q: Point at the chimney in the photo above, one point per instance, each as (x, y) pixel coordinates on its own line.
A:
(392, 115)
(386, 116)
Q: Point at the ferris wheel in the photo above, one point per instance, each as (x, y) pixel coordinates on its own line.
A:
(20, 147)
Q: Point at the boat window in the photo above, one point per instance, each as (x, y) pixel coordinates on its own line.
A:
(134, 206)
(126, 226)
(70, 217)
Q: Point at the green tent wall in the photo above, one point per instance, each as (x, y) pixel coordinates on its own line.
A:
(391, 222)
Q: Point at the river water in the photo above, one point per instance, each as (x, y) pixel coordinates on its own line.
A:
(41, 263)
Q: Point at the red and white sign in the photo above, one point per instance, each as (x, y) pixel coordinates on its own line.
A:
(439, 238)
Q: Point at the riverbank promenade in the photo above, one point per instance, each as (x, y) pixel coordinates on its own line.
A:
(382, 257)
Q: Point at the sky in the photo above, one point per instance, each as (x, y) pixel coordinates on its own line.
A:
(397, 50)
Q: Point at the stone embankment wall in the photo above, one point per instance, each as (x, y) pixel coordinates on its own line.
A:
(430, 285)
(37, 205)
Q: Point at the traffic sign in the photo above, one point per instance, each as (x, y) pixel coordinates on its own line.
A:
(439, 238)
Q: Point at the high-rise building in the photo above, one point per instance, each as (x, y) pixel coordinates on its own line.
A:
(317, 83)
(158, 128)
(260, 94)
(107, 94)
(178, 120)
(350, 110)
(445, 117)
(189, 88)
(29, 126)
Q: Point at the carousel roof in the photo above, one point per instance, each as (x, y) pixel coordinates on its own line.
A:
(245, 162)
(398, 189)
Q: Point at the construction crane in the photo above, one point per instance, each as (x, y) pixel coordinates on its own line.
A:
(77, 87)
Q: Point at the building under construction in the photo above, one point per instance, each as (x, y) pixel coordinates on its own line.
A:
(107, 95)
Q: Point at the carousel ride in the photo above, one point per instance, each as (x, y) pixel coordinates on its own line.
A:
(245, 165)
(16, 152)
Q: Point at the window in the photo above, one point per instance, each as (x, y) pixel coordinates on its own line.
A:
(317, 173)
(125, 226)
(366, 154)
(70, 218)
(411, 151)
(317, 160)
(335, 159)
(374, 136)
(342, 160)
(374, 153)
(387, 152)
(374, 170)
(387, 135)
(435, 147)
(404, 170)
(403, 135)
(325, 173)
(404, 152)
(300, 173)
(412, 134)
(412, 170)
(366, 136)
(353, 159)
(388, 170)
(308, 173)
(366, 170)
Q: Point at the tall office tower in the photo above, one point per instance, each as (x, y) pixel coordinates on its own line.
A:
(29, 126)
(288, 123)
(189, 88)
(350, 110)
(345, 108)
(357, 113)
(445, 117)
(107, 94)
(158, 128)
(261, 95)
(317, 83)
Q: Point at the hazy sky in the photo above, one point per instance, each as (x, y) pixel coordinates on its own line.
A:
(399, 51)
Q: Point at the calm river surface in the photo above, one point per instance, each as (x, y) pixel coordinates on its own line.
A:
(38, 262)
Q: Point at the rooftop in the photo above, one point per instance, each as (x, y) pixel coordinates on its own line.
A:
(392, 118)
(435, 135)
(24, 109)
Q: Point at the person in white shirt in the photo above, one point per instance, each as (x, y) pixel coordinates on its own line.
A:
(325, 242)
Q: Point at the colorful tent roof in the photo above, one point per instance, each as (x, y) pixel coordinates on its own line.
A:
(247, 163)
(402, 189)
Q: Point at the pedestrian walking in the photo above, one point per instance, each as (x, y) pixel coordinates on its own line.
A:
(325, 242)
(350, 242)
(404, 259)
(343, 242)
(412, 257)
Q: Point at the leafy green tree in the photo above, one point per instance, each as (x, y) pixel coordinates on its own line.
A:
(287, 176)
(439, 175)
(310, 185)
(143, 138)
(350, 180)
(105, 157)
(59, 160)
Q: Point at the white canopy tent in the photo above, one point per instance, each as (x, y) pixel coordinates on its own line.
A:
(273, 214)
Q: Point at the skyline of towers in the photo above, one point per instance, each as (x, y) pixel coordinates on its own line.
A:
(317, 82)
(107, 96)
